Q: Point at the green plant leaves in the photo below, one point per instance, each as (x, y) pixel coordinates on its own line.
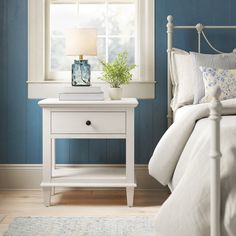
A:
(117, 72)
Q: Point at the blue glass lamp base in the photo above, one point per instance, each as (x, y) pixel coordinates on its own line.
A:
(81, 73)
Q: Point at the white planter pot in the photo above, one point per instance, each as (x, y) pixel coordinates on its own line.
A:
(115, 93)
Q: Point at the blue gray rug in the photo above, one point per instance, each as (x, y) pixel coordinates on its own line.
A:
(81, 226)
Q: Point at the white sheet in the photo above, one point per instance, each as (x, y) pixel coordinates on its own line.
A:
(183, 153)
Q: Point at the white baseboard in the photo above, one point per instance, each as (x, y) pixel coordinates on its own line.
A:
(28, 177)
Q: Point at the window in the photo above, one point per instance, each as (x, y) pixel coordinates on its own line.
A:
(121, 25)
(115, 29)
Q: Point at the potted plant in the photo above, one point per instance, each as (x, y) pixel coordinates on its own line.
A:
(117, 73)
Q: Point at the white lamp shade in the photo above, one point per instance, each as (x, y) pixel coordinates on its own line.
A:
(81, 42)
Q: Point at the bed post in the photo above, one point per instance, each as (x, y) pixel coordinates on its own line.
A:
(170, 28)
(215, 155)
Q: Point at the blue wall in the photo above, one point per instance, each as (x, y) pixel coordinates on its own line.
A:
(20, 118)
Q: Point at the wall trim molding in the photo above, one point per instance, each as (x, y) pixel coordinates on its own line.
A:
(28, 176)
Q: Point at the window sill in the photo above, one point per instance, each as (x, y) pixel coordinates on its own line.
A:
(50, 89)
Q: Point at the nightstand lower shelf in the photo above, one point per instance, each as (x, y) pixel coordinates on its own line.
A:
(89, 177)
(94, 177)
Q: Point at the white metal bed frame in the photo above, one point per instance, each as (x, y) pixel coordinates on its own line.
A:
(214, 115)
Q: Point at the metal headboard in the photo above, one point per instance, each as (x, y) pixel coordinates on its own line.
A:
(170, 31)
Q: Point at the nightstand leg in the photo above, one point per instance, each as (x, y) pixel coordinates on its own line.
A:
(48, 146)
(53, 164)
(47, 196)
(130, 196)
(130, 174)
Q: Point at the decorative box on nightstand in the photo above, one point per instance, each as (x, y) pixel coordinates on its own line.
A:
(88, 120)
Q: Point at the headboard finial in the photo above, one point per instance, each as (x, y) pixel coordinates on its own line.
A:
(215, 92)
(199, 27)
(170, 25)
(170, 18)
(215, 104)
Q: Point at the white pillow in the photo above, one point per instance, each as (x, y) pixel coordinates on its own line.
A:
(225, 79)
(224, 61)
(181, 75)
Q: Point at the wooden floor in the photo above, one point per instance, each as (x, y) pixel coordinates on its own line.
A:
(78, 203)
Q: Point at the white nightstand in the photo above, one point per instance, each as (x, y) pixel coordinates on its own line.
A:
(87, 120)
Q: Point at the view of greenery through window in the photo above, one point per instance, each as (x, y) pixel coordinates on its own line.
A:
(115, 24)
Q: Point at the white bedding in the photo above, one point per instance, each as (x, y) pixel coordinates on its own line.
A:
(181, 159)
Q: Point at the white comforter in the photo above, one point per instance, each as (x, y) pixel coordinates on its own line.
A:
(181, 159)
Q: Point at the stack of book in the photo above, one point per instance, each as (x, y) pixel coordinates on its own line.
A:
(90, 93)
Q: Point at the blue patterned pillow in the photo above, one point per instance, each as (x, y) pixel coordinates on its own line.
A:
(225, 79)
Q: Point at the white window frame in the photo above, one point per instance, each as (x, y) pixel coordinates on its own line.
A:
(39, 86)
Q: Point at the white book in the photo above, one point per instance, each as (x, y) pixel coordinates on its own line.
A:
(81, 96)
(82, 89)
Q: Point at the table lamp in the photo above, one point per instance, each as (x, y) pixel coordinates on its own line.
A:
(81, 42)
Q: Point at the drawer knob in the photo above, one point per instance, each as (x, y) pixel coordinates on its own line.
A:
(88, 122)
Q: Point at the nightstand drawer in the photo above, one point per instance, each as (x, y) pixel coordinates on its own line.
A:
(88, 122)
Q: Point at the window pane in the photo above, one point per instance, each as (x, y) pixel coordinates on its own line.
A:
(117, 45)
(93, 15)
(59, 62)
(121, 19)
(59, 22)
(62, 16)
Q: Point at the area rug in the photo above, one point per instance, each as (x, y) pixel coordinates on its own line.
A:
(81, 226)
